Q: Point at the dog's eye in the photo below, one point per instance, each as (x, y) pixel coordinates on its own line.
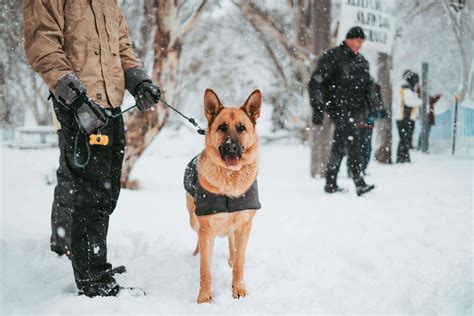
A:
(240, 128)
(222, 128)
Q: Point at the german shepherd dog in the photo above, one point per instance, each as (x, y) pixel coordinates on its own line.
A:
(222, 194)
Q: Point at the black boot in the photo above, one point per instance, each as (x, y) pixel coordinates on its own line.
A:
(106, 286)
(362, 187)
(332, 188)
(111, 289)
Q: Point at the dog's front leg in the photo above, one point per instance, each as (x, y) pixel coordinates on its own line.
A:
(206, 244)
(232, 248)
(241, 237)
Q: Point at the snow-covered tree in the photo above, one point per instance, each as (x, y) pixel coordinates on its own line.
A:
(460, 15)
(21, 89)
(174, 20)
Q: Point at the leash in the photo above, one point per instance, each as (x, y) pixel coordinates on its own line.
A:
(75, 153)
(191, 120)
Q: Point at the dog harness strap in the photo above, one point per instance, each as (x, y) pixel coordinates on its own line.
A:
(208, 203)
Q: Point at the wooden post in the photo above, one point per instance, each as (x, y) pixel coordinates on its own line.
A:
(383, 151)
(321, 134)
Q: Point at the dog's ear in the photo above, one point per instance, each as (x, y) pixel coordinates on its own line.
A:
(252, 105)
(212, 105)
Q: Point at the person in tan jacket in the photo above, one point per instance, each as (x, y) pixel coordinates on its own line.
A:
(84, 53)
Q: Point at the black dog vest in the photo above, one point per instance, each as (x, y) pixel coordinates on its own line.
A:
(208, 203)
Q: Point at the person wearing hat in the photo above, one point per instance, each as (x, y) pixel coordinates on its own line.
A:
(341, 86)
(409, 101)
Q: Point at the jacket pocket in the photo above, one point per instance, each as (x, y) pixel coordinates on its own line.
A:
(78, 58)
(79, 20)
(112, 24)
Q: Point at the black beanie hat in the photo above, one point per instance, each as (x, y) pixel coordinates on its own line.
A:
(411, 77)
(356, 32)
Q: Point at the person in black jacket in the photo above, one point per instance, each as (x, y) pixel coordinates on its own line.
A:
(341, 86)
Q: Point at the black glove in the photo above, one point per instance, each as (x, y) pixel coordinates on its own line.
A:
(147, 95)
(70, 91)
(370, 120)
(318, 118)
(382, 113)
(138, 83)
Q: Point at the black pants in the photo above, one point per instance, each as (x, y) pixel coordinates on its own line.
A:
(405, 131)
(85, 197)
(365, 149)
(411, 130)
(366, 146)
(346, 136)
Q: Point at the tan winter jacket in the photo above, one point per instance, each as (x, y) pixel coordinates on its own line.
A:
(87, 37)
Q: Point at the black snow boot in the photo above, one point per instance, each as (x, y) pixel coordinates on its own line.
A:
(104, 290)
(332, 188)
(362, 187)
(106, 286)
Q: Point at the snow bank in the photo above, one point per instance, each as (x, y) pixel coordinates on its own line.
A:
(406, 247)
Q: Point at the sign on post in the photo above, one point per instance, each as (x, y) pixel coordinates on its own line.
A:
(376, 19)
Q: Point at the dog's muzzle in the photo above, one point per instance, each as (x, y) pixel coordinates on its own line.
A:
(231, 151)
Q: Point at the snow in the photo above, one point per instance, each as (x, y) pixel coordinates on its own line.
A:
(406, 247)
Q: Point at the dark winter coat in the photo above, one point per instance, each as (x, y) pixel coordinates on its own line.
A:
(341, 84)
(208, 203)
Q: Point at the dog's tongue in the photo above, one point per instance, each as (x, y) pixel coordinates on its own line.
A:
(231, 160)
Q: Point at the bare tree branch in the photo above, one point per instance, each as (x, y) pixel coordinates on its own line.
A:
(294, 50)
(192, 20)
(465, 44)
(270, 51)
(414, 12)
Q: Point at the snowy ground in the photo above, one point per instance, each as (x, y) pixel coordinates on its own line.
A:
(406, 247)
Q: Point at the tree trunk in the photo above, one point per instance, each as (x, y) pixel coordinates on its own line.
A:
(39, 105)
(5, 117)
(462, 23)
(321, 135)
(383, 127)
(147, 30)
(142, 127)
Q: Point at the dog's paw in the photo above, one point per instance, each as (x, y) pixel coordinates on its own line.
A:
(239, 291)
(204, 297)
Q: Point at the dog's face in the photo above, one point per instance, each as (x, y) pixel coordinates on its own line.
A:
(231, 139)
